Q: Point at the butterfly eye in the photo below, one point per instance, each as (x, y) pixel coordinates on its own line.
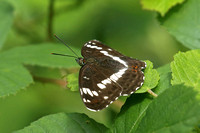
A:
(80, 61)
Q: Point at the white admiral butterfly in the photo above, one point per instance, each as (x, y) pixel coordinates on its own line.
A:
(106, 74)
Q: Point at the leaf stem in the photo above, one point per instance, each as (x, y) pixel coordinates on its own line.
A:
(152, 93)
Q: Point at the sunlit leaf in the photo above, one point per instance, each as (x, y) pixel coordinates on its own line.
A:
(151, 78)
(183, 23)
(72, 81)
(186, 68)
(162, 6)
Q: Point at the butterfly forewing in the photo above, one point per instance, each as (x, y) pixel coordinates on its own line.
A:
(107, 74)
(97, 91)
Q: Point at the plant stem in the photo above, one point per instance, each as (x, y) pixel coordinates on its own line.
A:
(152, 93)
(50, 20)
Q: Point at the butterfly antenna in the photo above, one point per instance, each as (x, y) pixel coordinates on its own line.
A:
(65, 45)
(64, 55)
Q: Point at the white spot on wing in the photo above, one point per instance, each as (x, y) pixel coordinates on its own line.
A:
(86, 78)
(84, 100)
(84, 90)
(114, 77)
(88, 101)
(137, 88)
(95, 93)
(105, 97)
(115, 58)
(94, 47)
(88, 45)
(92, 109)
(89, 92)
(106, 81)
(101, 86)
(81, 91)
(118, 74)
(144, 66)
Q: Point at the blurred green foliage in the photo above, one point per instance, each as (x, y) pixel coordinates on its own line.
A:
(160, 6)
(33, 82)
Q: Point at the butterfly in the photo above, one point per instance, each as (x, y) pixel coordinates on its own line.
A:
(106, 74)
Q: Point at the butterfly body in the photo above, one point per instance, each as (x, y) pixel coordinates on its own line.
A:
(106, 74)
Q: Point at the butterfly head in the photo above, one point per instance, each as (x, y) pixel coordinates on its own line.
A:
(80, 61)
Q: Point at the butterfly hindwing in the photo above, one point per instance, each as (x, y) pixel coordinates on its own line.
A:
(133, 79)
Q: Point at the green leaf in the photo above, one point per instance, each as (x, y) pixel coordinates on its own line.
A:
(41, 55)
(72, 81)
(161, 6)
(165, 79)
(183, 23)
(151, 78)
(131, 113)
(65, 123)
(164, 69)
(44, 72)
(6, 17)
(174, 110)
(186, 68)
(13, 77)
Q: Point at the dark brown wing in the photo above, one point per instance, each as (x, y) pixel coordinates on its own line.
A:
(107, 74)
(92, 49)
(96, 89)
(134, 77)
